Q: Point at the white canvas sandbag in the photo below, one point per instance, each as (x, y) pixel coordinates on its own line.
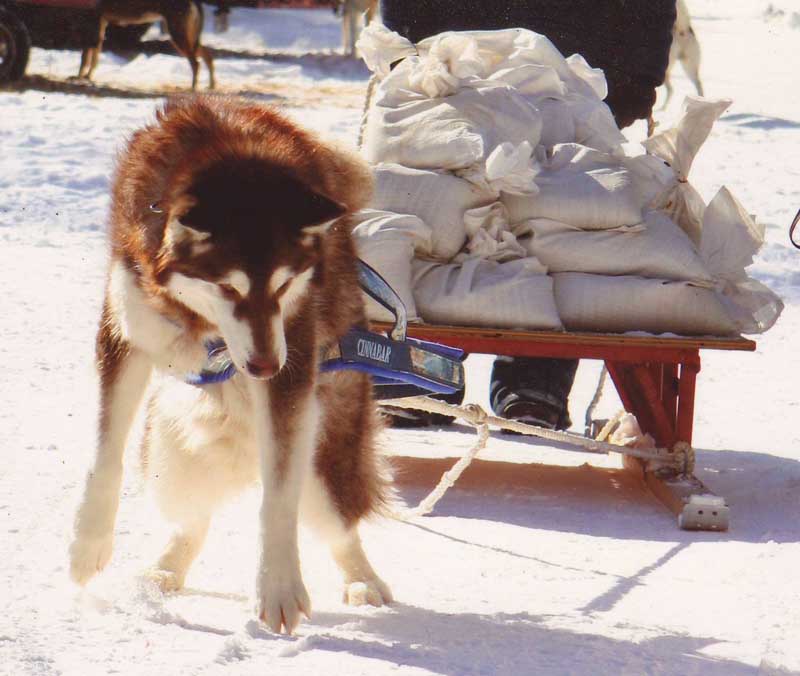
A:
(731, 238)
(447, 63)
(594, 77)
(504, 49)
(454, 132)
(446, 67)
(421, 133)
(595, 125)
(582, 187)
(452, 61)
(508, 169)
(651, 175)
(626, 303)
(558, 122)
(439, 199)
(752, 306)
(516, 294)
(381, 47)
(531, 64)
(418, 77)
(387, 241)
(489, 235)
(532, 80)
(655, 248)
(678, 147)
(455, 58)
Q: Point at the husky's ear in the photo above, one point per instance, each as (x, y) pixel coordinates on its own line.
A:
(311, 212)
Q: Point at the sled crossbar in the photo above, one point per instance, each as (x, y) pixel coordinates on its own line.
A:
(655, 378)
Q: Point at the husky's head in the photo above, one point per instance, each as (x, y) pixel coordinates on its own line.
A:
(241, 243)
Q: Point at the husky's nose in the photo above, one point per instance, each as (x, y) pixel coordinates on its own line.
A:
(262, 367)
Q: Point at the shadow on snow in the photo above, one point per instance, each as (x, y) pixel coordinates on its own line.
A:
(609, 502)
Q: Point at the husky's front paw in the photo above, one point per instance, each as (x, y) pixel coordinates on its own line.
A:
(87, 557)
(281, 600)
(374, 592)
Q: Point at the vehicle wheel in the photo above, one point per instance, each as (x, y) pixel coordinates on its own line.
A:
(15, 46)
(125, 37)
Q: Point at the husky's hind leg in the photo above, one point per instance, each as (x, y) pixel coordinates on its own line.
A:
(181, 498)
(184, 546)
(189, 472)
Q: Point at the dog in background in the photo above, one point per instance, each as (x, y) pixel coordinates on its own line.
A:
(184, 21)
(686, 49)
(351, 11)
(230, 222)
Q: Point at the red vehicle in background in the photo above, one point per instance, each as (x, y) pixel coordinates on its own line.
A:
(71, 24)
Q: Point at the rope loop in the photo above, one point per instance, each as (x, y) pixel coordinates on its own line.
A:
(478, 415)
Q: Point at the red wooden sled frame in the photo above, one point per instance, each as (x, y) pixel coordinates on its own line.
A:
(655, 378)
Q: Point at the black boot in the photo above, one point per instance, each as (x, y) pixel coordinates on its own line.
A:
(533, 390)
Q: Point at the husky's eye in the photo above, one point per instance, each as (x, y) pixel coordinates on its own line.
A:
(283, 288)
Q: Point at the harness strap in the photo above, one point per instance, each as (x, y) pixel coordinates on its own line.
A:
(410, 367)
(218, 368)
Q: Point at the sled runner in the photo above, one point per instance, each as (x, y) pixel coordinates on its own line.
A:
(655, 378)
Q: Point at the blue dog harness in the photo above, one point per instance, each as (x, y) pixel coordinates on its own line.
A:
(399, 366)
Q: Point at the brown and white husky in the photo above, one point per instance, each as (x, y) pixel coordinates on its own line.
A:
(228, 221)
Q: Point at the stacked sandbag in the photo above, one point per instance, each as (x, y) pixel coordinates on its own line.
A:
(496, 292)
(387, 241)
(539, 215)
(582, 187)
(438, 198)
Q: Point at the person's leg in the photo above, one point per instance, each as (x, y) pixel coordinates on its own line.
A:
(534, 391)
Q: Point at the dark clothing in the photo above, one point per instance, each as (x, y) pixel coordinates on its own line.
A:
(534, 390)
(629, 40)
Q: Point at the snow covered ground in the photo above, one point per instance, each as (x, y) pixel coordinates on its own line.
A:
(538, 562)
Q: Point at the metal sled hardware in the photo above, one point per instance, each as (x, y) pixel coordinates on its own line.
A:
(400, 366)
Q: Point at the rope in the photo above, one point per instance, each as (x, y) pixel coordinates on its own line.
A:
(365, 111)
(468, 414)
(598, 393)
(681, 458)
(451, 476)
(608, 428)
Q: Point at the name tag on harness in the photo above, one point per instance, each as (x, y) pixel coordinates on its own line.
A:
(374, 351)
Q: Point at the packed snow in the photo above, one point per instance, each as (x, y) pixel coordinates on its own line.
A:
(538, 561)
